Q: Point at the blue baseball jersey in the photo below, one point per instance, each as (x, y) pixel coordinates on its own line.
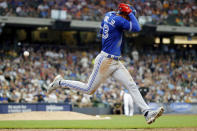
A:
(112, 28)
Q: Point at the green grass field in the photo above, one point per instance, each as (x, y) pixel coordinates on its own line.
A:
(116, 122)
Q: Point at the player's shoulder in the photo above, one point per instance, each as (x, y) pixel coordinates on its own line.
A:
(118, 20)
(114, 15)
(110, 13)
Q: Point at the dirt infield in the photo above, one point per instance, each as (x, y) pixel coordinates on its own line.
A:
(160, 129)
(66, 115)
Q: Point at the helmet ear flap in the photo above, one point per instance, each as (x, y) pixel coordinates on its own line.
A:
(120, 6)
(124, 8)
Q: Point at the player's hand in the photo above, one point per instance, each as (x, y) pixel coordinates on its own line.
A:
(128, 11)
(133, 10)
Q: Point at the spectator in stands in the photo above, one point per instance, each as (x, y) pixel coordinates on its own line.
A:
(180, 13)
(170, 75)
(4, 98)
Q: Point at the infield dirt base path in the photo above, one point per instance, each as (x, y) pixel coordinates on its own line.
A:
(156, 129)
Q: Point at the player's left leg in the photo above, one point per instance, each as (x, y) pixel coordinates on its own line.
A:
(101, 70)
(87, 88)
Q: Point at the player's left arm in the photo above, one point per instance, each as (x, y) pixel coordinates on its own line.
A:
(101, 28)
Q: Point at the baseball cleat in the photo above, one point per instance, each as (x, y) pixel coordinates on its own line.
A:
(153, 115)
(55, 84)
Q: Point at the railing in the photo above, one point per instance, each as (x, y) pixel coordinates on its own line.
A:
(77, 24)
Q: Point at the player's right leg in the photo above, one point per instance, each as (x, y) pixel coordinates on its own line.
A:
(123, 76)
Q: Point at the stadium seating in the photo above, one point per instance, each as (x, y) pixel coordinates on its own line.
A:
(165, 12)
(169, 73)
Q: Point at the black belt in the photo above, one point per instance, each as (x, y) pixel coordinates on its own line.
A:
(114, 57)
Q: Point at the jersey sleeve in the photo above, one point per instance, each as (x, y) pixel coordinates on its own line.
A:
(132, 25)
(119, 22)
(127, 25)
(101, 27)
(135, 24)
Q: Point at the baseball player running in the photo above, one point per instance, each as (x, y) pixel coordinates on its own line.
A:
(107, 63)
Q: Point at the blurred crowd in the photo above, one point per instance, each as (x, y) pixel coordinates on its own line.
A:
(169, 73)
(170, 12)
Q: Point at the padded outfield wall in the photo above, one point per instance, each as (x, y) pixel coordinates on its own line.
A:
(170, 108)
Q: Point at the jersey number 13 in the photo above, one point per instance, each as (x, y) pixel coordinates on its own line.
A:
(105, 31)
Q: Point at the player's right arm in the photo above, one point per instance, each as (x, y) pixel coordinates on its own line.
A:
(131, 25)
(134, 22)
(125, 11)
